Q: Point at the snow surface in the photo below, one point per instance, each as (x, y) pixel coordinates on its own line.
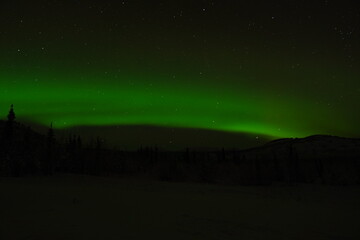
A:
(85, 207)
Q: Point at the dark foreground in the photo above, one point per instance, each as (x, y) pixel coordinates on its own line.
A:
(84, 207)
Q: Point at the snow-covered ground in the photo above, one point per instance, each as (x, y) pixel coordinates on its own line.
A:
(84, 207)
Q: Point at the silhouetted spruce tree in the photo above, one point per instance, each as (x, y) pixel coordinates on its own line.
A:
(234, 155)
(48, 161)
(28, 153)
(73, 159)
(70, 158)
(98, 166)
(11, 116)
(7, 142)
(80, 157)
(318, 164)
(156, 158)
(293, 164)
(187, 156)
(223, 155)
(79, 142)
(277, 170)
(256, 176)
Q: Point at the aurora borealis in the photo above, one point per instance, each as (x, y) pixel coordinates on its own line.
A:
(275, 68)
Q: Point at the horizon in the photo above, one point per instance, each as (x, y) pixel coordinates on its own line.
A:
(131, 137)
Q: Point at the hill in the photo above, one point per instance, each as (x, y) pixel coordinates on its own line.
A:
(322, 158)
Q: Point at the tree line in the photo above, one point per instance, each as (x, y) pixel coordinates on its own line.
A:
(25, 152)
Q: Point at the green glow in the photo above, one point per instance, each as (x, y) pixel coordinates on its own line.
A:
(149, 100)
(271, 71)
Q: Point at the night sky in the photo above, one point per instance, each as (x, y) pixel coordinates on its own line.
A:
(276, 68)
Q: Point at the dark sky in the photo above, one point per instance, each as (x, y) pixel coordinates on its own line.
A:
(276, 68)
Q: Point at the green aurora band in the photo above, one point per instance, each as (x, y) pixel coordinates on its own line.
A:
(258, 68)
(149, 100)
